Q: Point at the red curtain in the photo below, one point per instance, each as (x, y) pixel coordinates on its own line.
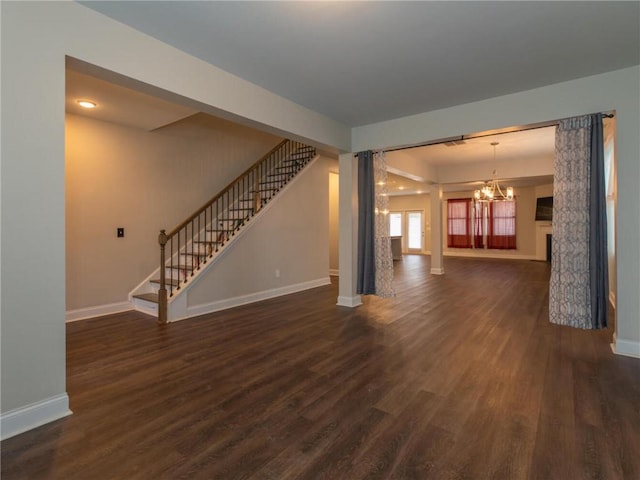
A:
(459, 223)
(502, 225)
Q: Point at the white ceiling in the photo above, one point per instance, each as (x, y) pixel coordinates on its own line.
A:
(399, 185)
(117, 104)
(131, 108)
(525, 144)
(534, 144)
(364, 62)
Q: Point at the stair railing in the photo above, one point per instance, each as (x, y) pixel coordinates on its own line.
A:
(192, 243)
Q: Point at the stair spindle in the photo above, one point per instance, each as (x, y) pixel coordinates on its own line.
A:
(200, 236)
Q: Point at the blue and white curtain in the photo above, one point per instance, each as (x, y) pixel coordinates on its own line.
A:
(383, 253)
(578, 288)
(375, 260)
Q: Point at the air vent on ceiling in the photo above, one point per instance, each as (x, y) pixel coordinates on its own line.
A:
(453, 143)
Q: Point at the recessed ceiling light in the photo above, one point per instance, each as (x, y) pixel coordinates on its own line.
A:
(87, 104)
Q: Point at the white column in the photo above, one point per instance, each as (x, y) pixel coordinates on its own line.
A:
(437, 265)
(348, 235)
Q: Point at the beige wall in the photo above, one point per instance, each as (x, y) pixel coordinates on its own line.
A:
(143, 181)
(333, 222)
(544, 190)
(609, 133)
(525, 223)
(616, 90)
(543, 228)
(404, 203)
(291, 237)
(35, 39)
(525, 227)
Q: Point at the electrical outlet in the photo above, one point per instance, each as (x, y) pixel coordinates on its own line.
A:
(277, 273)
(120, 232)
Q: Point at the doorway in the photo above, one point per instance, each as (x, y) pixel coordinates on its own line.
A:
(408, 224)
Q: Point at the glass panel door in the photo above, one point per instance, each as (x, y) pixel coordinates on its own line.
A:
(395, 224)
(415, 233)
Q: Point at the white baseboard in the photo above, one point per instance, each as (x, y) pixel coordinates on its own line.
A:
(193, 311)
(98, 311)
(334, 272)
(437, 271)
(504, 256)
(625, 347)
(34, 415)
(350, 302)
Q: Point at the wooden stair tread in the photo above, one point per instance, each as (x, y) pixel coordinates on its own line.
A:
(175, 282)
(300, 154)
(149, 297)
(269, 176)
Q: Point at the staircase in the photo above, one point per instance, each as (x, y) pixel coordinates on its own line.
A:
(192, 247)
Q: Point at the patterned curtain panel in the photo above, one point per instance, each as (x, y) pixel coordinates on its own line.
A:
(383, 254)
(570, 286)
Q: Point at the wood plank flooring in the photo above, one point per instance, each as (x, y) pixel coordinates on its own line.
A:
(459, 376)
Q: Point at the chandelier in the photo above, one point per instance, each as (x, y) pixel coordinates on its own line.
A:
(492, 190)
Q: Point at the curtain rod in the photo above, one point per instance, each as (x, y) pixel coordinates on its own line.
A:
(470, 136)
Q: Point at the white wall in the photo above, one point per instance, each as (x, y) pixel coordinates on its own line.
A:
(525, 228)
(334, 219)
(609, 134)
(403, 203)
(35, 38)
(118, 176)
(515, 168)
(543, 228)
(292, 237)
(399, 162)
(525, 224)
(617, 90)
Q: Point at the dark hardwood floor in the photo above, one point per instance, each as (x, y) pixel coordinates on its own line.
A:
(459, 377)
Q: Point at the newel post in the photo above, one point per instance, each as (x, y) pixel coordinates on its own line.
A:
(162, 292)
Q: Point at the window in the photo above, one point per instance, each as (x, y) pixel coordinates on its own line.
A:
(459, 223)
(479, 224)
(501, 222)
(395, 224)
